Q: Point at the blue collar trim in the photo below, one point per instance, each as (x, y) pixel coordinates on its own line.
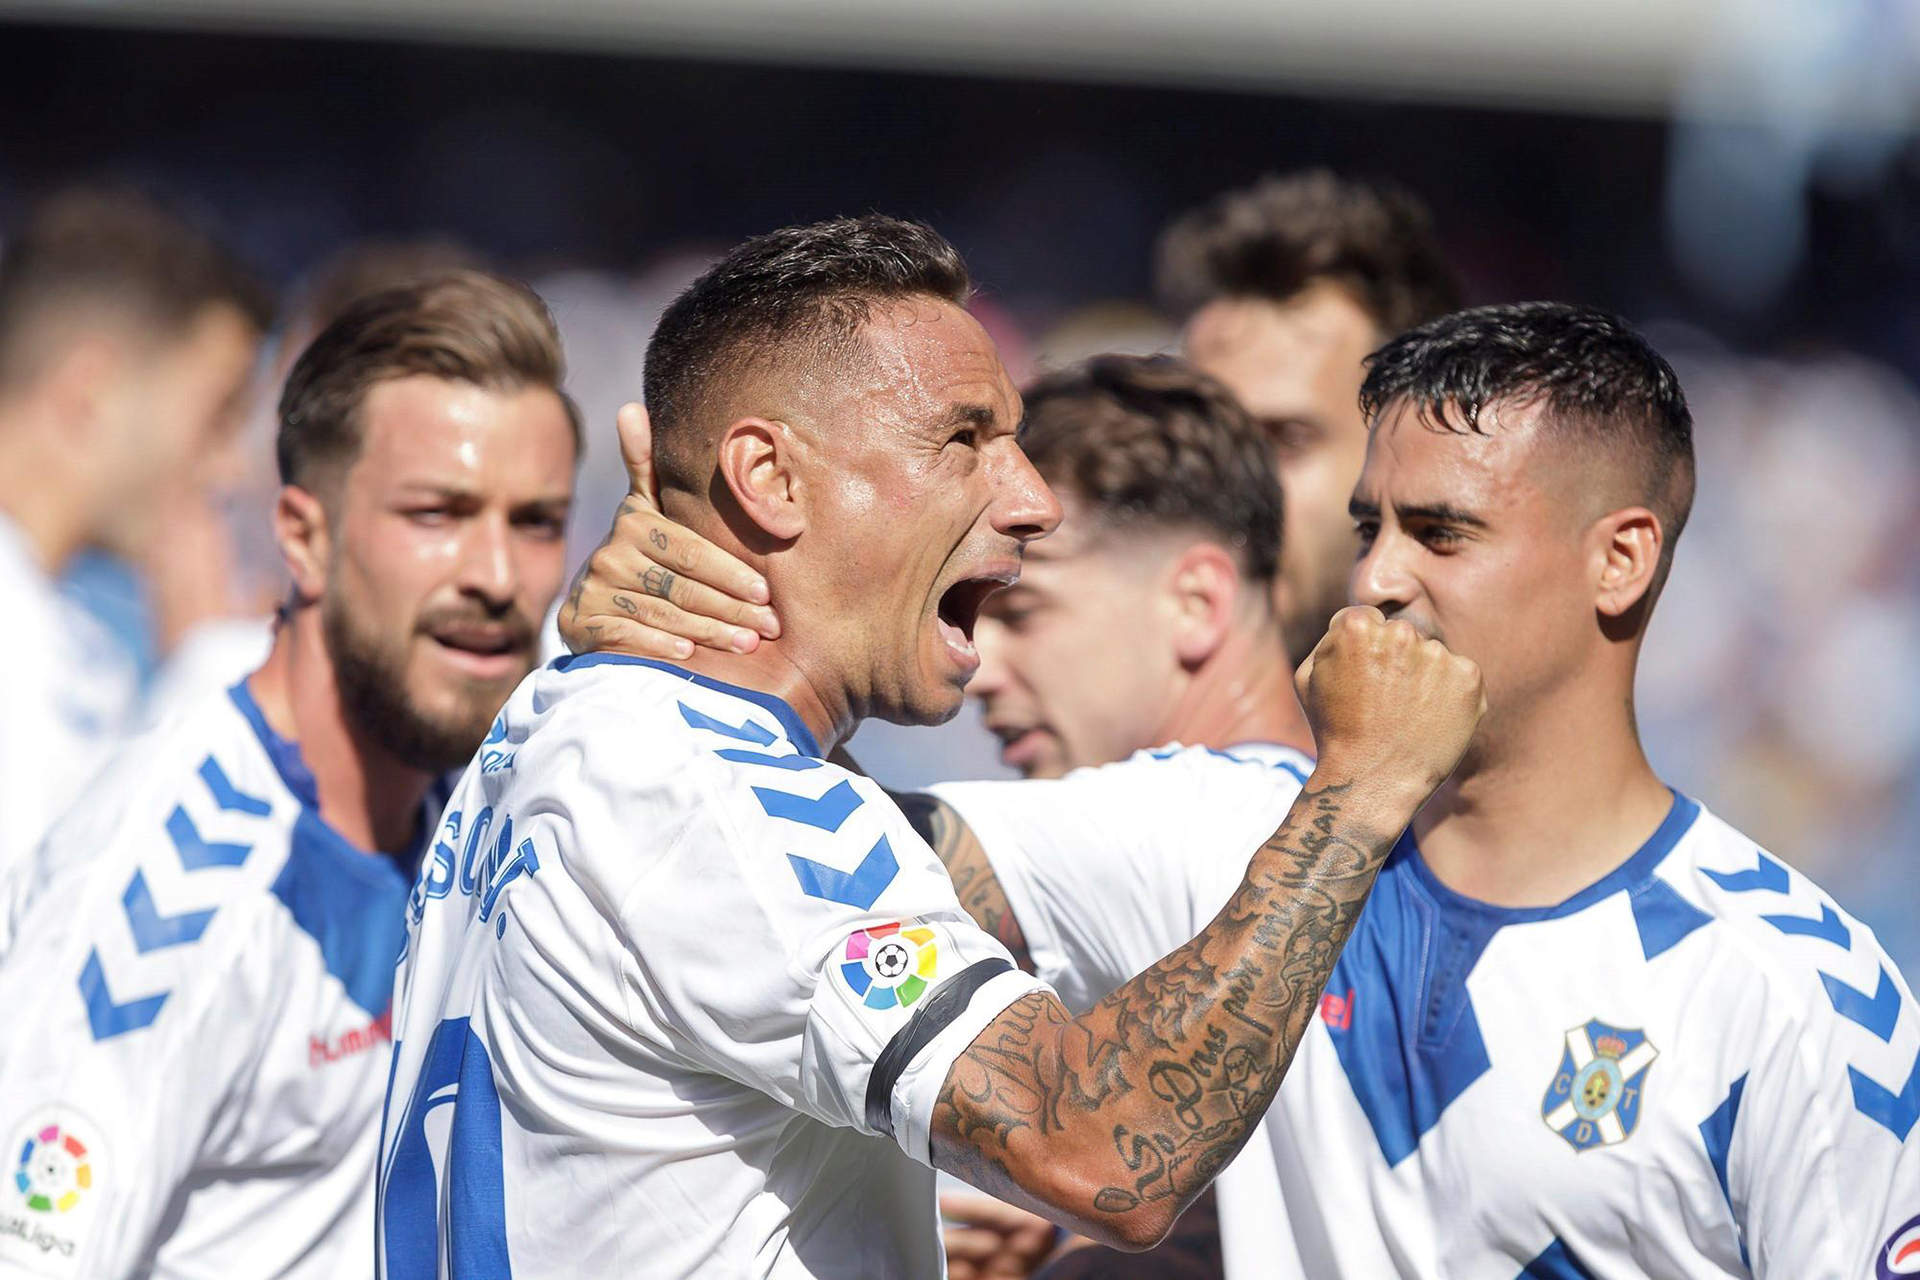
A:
(285, 755)
(292, 768)
(1635, 870)
(797, 731)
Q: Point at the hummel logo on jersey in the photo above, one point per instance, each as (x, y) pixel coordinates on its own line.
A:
(321, 1051)
(1337, 1011)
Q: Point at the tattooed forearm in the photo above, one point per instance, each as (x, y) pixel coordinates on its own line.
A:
(1123, 1115)
(974, 882)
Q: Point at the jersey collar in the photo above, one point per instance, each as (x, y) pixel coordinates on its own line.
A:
(286, 757)
(1636, 869)
(293, 771)
(797, 731)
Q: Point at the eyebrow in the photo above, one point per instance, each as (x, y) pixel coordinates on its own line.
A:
(966, 415)
(455, 491)
(1436, 512)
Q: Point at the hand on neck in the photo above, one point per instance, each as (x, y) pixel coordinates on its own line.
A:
(366, 794)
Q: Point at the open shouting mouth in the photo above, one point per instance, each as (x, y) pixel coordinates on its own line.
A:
(959, 610)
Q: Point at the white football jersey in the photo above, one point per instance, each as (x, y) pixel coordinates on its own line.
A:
(196, 1007)
(1696, 1067)
(67, 692)
(671, 983)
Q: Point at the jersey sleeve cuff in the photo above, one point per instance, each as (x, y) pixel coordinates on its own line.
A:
(905, 1102)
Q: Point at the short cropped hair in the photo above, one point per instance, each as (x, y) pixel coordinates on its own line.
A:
(114, 250)
(798, 293)
(464, 326)
(1595, 380)
(1273, 239)
(1151, 438)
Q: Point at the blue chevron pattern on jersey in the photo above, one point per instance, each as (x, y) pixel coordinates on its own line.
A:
(151, 930)
(229, 797)
(827, 813)
(1767, 875)
(1878, 1013)
(792, 764)
(196, 853)
(859, 888)
(107, 1017)
(1828, 928)
(1897, 1111)
(747, 730)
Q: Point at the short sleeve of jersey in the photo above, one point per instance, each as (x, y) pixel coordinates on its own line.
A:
(1822, 1167)
(796, 936)
(1111, 868)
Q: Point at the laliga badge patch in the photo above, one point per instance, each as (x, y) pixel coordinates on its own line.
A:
(1595, 1097)
(55, 1170)
(890, 966)
(1900, 1256)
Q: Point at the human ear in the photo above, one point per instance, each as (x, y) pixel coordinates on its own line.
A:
(300, 527)
(757, 462)
(77, 386)
(1627, 556)
(1205, 586)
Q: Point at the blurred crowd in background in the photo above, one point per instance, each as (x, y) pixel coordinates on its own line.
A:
(1775, 263)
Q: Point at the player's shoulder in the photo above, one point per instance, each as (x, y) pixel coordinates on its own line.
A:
(745, 822)
(679, 762)
(659, 718)
(1271, 761)
(175, 859)
(23, 586)
(201, 792)
(1784, 939)
(1196, 779)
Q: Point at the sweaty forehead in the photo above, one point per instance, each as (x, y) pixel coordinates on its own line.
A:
(927, 354)
(426, 430)
(1418, 462)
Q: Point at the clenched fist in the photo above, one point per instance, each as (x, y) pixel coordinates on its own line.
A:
(1389, 707)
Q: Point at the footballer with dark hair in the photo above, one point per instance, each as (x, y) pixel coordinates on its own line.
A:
(671, 972)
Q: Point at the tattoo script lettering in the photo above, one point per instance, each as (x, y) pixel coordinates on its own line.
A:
(1169, 1075)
